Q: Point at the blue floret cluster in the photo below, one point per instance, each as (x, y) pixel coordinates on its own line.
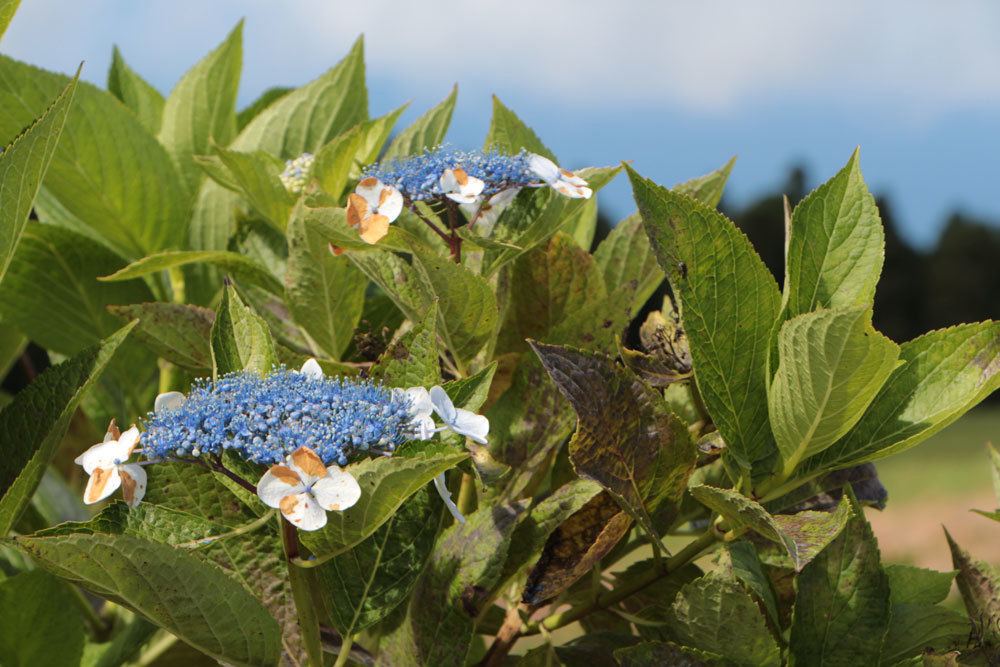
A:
(417, 177)
(265, 418)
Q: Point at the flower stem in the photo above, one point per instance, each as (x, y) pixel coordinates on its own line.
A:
(345, 651)
(301, 583)
(467, 494)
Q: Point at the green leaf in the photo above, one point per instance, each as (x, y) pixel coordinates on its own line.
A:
(241, 266)
(7, 10)
(385, 484)
(649, 609)
(325, 293)
(22, 166)
(266, 99)
(626, 438)
(12, 345)
(467, 307)
(715, 614)
(842, 605)
(240, 338)
(979, 584)
(412, 360)
(708, 188)
(575, 547)
(744, 565)
(201, 109)
(335, 162)
(625, 255)
(256, 175)
(374, 134)
(108, 170)
(729, 303)
(34, 422)
(915, 629)
(63, 266)
(397, 279)
(426, 132)
(944, 374)
(656, 653)
(909, 584)
(160, 582)
(144, 100)
(470, 393)
(438, 628)
(547, 286)
(176, 332)
(194, 491)
(836, 247)
(833, 364)
(365, 584)
(39, 621)
(508, 133)
(803, 535)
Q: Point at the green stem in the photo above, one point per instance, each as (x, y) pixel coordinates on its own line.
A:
(301, 584)
(169, 374)
(616, 595)
(176, 275)
(467, 495)
(345, 651)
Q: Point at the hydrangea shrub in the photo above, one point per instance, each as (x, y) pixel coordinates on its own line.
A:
(328, 391)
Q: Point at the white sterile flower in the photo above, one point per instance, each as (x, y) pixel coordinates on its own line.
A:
(463, 422)
(561, 180)
(421, 409)
(312, 369)
(108, 470)
(372, 207)
(458, 186)
(486, 213)
(170, 400)
(304, 490)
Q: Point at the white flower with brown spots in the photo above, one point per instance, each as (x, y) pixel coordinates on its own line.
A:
(304, 490)
(561, 180)
(372, 207)
(106, 463)
(457, 185)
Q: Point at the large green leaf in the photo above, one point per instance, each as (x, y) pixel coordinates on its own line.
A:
(108, 170)
(365, 584)
(626, 438)
(467, 307)
(176, 332)
(426, 132)
(729, 303)
(7, 10)
(509, 134)
(256, 175)
(909, 584)
(385, 484)
(201, 109)
(708, 188)
(161, 582)
(917, 629)
(33, 423)
(134, 92)
(944, 374)
(39, 622)
(64, 266)
(412, 360)
(241, 266)
(22, 166)
(625, 255)
(438, 628)
(836, 247)
(833, 363)
(842, 605)
(715, 613)
(240, 338)
(325, 293)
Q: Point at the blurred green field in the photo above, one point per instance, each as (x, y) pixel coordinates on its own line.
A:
(952, 464)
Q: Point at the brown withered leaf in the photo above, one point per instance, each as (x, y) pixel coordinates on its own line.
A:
(575, 547)
(664, 339)
(626, 439)
(979, 585)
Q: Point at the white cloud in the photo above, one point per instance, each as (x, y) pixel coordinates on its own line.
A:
(921, 57)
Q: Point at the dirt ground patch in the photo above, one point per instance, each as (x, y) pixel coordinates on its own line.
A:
(912, 532)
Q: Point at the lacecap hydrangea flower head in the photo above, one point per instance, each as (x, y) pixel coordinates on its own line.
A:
(301, 423)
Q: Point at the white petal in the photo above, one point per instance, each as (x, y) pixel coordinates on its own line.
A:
(170, 400)
(390, 203)
(133, 483)
(448, 182)
(471, 425)
(424, 427)
(312, 369)
(461, 198)
(370, 189)
(572, 191)
(126, 443)
(102, 483)
(307, 464)
(278, 482)
(571, 178)
(544, 168)
(337, 491)
(98, 456)
(302, 511)
(442, 489)
(443, 405)
(420, 402)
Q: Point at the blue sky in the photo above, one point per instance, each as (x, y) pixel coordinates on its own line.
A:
(675, 87)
